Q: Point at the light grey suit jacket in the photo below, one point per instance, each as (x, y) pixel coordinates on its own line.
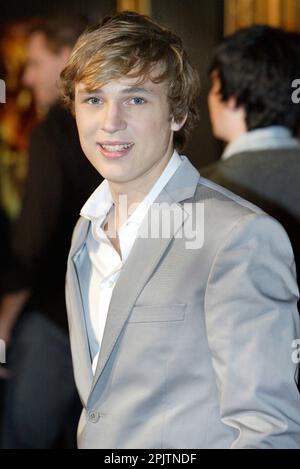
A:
(197, 348)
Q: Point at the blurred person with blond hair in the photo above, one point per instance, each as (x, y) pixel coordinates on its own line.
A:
(40, 398)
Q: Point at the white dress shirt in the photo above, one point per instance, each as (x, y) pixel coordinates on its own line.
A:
(105, 260)
(269, 138)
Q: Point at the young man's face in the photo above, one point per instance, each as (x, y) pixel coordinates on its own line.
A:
(125, 129)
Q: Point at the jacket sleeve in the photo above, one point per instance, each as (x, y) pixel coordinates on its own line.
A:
(252, 322)
(40, 211)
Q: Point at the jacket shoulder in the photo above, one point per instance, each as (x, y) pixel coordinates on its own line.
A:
(218, 197)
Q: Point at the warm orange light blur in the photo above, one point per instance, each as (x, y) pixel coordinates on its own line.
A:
(241, 13)
(140, 6)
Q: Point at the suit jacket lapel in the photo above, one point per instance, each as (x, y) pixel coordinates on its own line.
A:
(78, 332)
(145, 255)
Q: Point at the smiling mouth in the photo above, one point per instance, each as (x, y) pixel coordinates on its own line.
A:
(116, 147)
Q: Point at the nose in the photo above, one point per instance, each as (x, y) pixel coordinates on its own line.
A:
(112, 119)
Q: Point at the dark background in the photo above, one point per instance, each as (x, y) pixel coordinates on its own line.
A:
(199, 23)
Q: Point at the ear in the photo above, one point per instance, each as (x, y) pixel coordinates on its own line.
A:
(231, 104)
(175, 126)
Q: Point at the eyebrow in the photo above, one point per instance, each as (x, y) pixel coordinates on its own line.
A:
(133, 89)
(136, 89)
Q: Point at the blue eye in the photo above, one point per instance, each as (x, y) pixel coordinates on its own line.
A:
(93, 100)
(137, 100)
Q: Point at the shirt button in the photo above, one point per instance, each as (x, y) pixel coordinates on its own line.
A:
(111, 283)
(93, 416)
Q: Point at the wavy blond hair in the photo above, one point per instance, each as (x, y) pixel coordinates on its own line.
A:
(129, 44)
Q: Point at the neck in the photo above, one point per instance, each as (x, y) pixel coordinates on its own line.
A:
(236, 124)
(235, 135)
(43, 108)
(127, 196)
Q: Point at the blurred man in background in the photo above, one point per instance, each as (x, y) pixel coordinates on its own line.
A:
(39, 397)
(251, 109)
(4, 245)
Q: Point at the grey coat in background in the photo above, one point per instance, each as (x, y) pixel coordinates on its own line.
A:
(269, 179)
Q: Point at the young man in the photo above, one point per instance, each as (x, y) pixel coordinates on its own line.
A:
(177, 341)
(252, 110)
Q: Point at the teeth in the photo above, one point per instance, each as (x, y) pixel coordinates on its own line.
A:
(116, 147)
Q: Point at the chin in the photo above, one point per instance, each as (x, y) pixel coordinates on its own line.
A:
(115, 176)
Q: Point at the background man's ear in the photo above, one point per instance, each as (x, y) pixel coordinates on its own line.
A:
(175, 126)
(231, 103)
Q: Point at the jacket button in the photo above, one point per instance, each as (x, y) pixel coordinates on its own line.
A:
(93, 416)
